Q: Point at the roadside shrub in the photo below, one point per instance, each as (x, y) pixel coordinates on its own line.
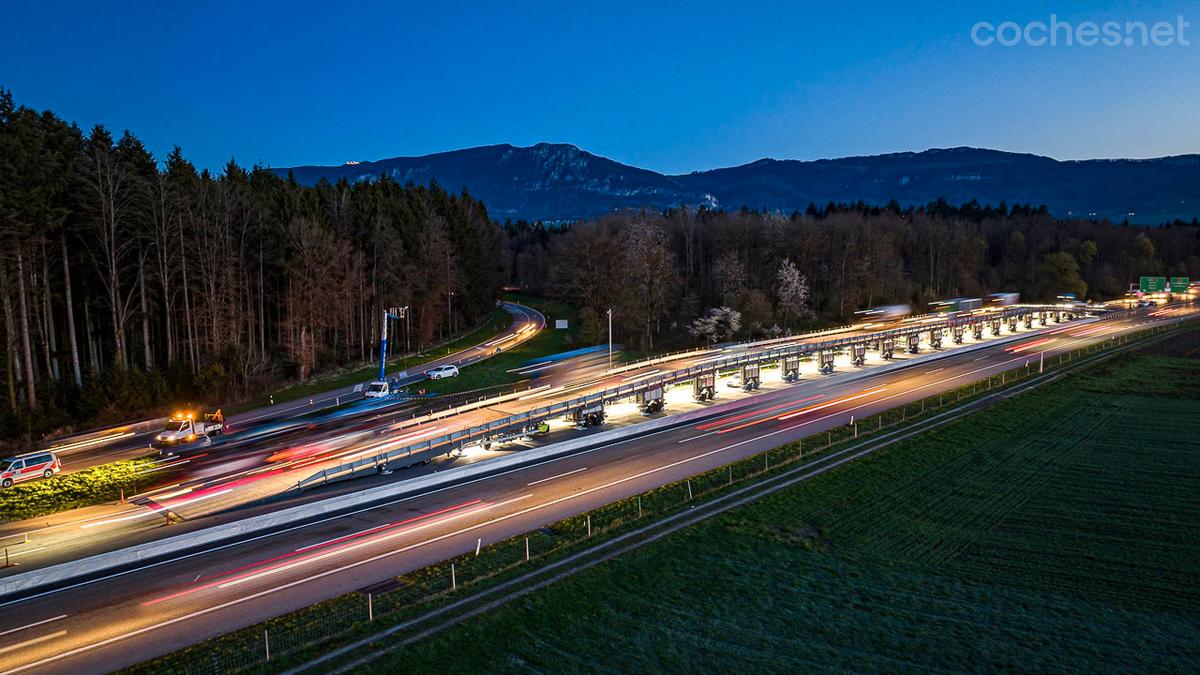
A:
(76, 490)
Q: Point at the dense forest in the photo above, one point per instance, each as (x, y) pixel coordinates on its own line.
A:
(131, 282)
(661, 272)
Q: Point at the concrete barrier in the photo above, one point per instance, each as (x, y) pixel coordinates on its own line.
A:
(228, 532)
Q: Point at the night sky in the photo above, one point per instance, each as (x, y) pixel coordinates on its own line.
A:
(673, 87)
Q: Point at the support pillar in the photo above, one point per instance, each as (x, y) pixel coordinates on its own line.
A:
(858, 354)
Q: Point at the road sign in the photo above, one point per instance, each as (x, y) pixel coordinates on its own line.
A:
(1153, 284)
(1180, 284)
(398, 312)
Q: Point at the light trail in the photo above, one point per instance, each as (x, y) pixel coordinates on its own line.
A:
(79, 445)
(709, 425)
(822, 406)
(228, 577)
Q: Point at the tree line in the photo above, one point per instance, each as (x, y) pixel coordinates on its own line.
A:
(129, 281)
(667, 276)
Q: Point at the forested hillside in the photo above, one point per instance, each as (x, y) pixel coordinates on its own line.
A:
(131, 282)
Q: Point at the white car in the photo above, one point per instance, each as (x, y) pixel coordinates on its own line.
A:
(442, 371)
(377, 389)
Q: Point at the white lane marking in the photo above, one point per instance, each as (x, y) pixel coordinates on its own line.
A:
(689, 439)
(363, 544)
(365, 561)
(140, 514)
(406, 498)
(834, 402)
(35, 623)
(983, 357)
(561, 475)
(468, 507)
(935, 370)
(30, 643)
(522, 512)
(151, 512)
(365, 509)
(42, 530)
(29, 550)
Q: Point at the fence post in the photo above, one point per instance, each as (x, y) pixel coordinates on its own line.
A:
(589, 518)
(266, 644)
(856, 429)
(731, 474)
(526, 549)
(640, 504)
(453, 579)
(478, 546)
(370, 608)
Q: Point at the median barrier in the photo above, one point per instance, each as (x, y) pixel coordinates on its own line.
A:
(226, 534)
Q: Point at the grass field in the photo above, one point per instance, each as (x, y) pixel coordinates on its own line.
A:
(493, 372)
(1059, 531)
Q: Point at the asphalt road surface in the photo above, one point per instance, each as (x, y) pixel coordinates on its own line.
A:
(91, 449)
(145, 612)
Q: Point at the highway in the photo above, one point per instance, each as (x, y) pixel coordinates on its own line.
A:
(126, 618)
(232, 478)
(86, 450)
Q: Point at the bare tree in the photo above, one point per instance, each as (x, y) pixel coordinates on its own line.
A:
(649, 267)
(112, 197)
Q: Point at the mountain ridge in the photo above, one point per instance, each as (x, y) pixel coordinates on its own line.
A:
(560, 181)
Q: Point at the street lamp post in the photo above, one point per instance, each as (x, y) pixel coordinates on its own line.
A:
(610, 338)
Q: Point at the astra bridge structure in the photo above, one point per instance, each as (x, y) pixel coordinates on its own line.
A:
(646, 381)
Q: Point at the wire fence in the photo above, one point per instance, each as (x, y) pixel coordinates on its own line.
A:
(265, 646)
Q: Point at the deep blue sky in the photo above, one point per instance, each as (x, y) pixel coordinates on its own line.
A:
(669, 86)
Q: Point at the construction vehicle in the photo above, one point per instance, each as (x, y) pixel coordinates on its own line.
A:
(183, 429)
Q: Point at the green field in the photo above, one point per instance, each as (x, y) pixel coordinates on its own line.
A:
(493, 372)
(1059, 531)
(497, 322)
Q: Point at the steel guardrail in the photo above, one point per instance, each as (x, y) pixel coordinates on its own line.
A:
(631, 389)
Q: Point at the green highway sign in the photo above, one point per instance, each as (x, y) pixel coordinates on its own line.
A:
(1153, 284)
(1180, 284)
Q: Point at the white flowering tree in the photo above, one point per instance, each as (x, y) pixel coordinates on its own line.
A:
(792, 291)
(721, 323)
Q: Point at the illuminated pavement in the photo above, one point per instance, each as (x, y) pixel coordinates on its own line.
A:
(226, 484)
(128, 442)
(120, 620)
